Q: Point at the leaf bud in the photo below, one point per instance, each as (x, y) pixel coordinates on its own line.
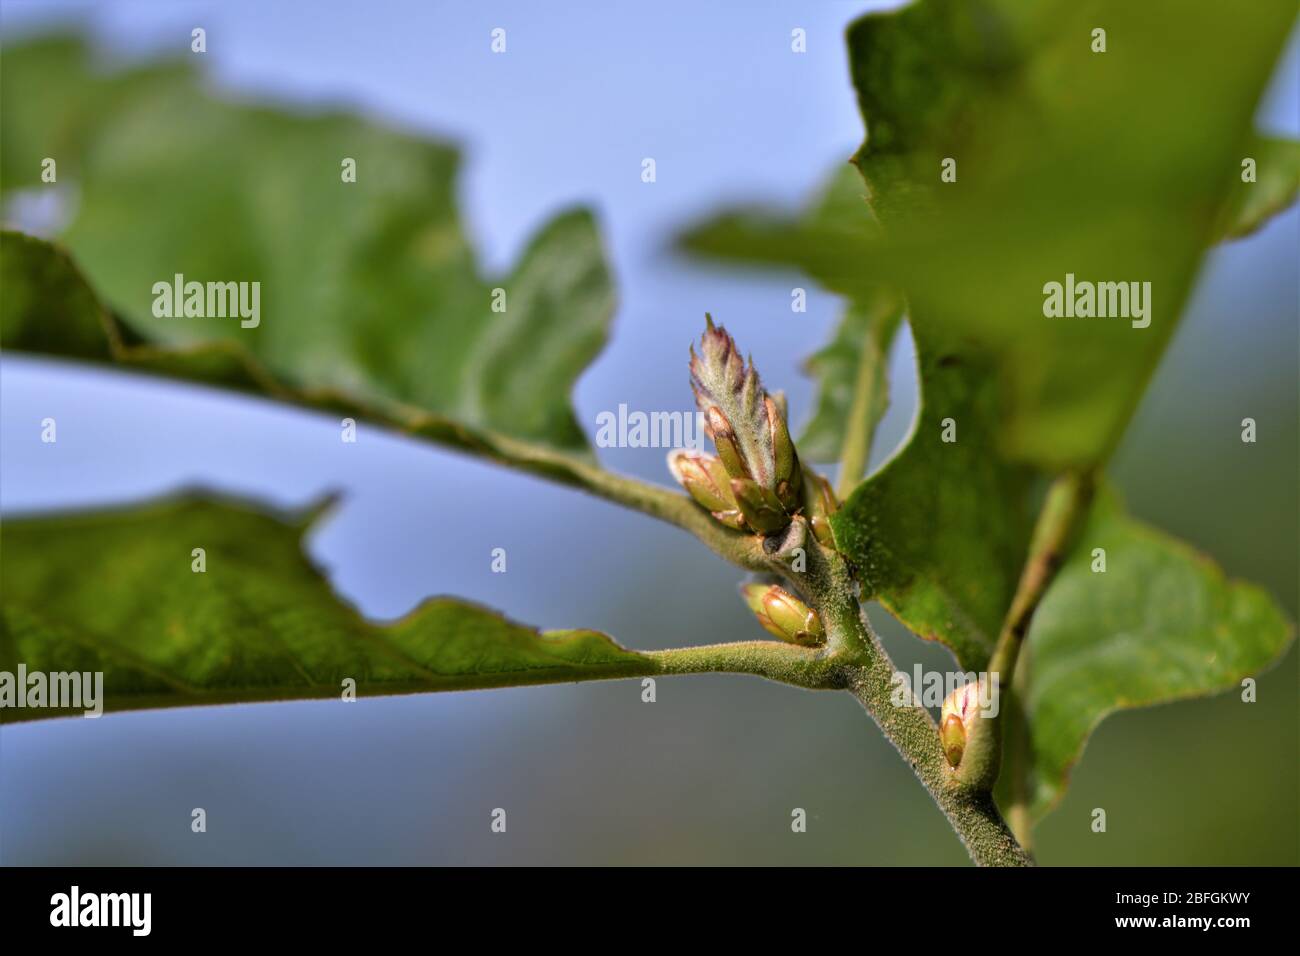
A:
(961, 709)
(724, 439)
(819, 504)
(704, 478)
(784, 615)
(762, 509)
(787, 473)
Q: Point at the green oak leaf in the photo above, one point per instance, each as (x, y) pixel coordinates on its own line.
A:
(59, 116)
(1161, 623)
(1067, 161)
(48, 307)
(259, 623)
(370, 293)
(1107, 166)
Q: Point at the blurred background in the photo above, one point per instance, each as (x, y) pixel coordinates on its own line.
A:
(708, 773)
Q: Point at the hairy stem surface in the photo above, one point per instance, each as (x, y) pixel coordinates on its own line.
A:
(970, 811)
(852, 658)
(811, 668)
(866, 670)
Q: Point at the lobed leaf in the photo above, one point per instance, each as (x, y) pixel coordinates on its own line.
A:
(260, 623)
(370, 293)
(1161, 623)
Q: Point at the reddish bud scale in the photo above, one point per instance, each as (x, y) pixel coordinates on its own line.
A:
(749, 430)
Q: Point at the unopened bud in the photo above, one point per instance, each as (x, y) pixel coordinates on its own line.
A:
(704, 478)
(788, 477)
(724, 438)
(782, 405)
(819, 504)
(728, 391)
(952, 737)
(957, 720)
(732, 519)
(749, 428)
(784, 615)
(762, 509)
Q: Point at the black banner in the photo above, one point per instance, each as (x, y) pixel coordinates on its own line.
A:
(917, 906)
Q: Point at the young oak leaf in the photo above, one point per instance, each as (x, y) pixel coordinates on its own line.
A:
(370, 297)
(258, 622)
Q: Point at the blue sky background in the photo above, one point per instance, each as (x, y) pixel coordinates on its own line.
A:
(588, 773)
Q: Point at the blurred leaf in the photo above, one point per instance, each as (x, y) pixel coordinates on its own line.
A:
(841, 202)
(1277, 171)
(1160, 624)
(260, 623)
(49, 307)
(369, 290)
(1108, 165)
(852, 372)
(54, 102)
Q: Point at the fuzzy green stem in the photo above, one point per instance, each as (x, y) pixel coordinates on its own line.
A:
(859, 663)
(971, 812)
(744, 550)
(812, 668)
(852, 658)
